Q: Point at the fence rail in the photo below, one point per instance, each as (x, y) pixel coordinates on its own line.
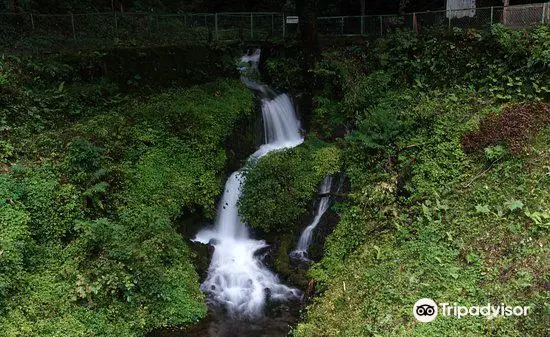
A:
(20, 31)
(521, 16)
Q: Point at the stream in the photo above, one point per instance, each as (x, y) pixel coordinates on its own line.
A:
(244, 297)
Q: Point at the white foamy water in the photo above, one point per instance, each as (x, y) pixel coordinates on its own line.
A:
(252, 61)
(305, 239)
(236, 278)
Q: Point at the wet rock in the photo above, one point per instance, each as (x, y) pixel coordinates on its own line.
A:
(243, 140)
(301, 261)
(201, 258)
(266, 256)
(267, 292)
(190, 221)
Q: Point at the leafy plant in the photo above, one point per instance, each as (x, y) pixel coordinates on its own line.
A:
(513, 205)
(493, 153)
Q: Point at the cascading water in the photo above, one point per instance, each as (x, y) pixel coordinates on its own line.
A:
(250, 66)
(236, 278)
(251, 61)
(305, 239)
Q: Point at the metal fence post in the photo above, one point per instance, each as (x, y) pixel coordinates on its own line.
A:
(272, 25)
(450, 22)
(362, 25)
(251, 25)
(72, 24)
(216, 26)
(341, 25)
(415, 28)
(284, 25)
(492, 15)
(381, 27)
(543, 12)
(32, 21)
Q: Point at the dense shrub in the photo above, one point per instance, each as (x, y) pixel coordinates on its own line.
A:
(279, 187)
(479, 59)
(83, 159)
(87, 246)
(284, 72)
(379, 125)
(359, 93)
(14, 244)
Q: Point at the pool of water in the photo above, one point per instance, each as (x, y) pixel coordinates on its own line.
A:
(276, 323)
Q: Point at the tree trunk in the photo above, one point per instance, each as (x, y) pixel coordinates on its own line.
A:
(307, 14)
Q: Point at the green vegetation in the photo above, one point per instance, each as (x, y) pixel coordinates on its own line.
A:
(448, 171)
(91, 180)
(456, 238)
(443, 138)
(278, 188)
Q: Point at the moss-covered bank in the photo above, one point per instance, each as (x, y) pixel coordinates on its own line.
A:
(92, 180)
(445, 145)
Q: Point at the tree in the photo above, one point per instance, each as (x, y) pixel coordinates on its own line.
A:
(307, 13)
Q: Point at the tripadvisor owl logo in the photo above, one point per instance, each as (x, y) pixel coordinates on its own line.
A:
(425, 310)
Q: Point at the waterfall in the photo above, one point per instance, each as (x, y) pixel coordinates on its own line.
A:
(251, 61)
(305, 239)
(236, 278)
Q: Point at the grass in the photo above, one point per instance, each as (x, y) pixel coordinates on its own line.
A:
(463, 235)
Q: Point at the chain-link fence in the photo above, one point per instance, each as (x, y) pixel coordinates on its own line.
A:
(481, 18)
(40, 32)
(248, 26)
(22, 31)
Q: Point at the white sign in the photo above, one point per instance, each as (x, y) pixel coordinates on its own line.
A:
(292, 19)
(461, 8)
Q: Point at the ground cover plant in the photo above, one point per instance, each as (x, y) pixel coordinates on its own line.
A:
(92, 179)
(447, 159)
